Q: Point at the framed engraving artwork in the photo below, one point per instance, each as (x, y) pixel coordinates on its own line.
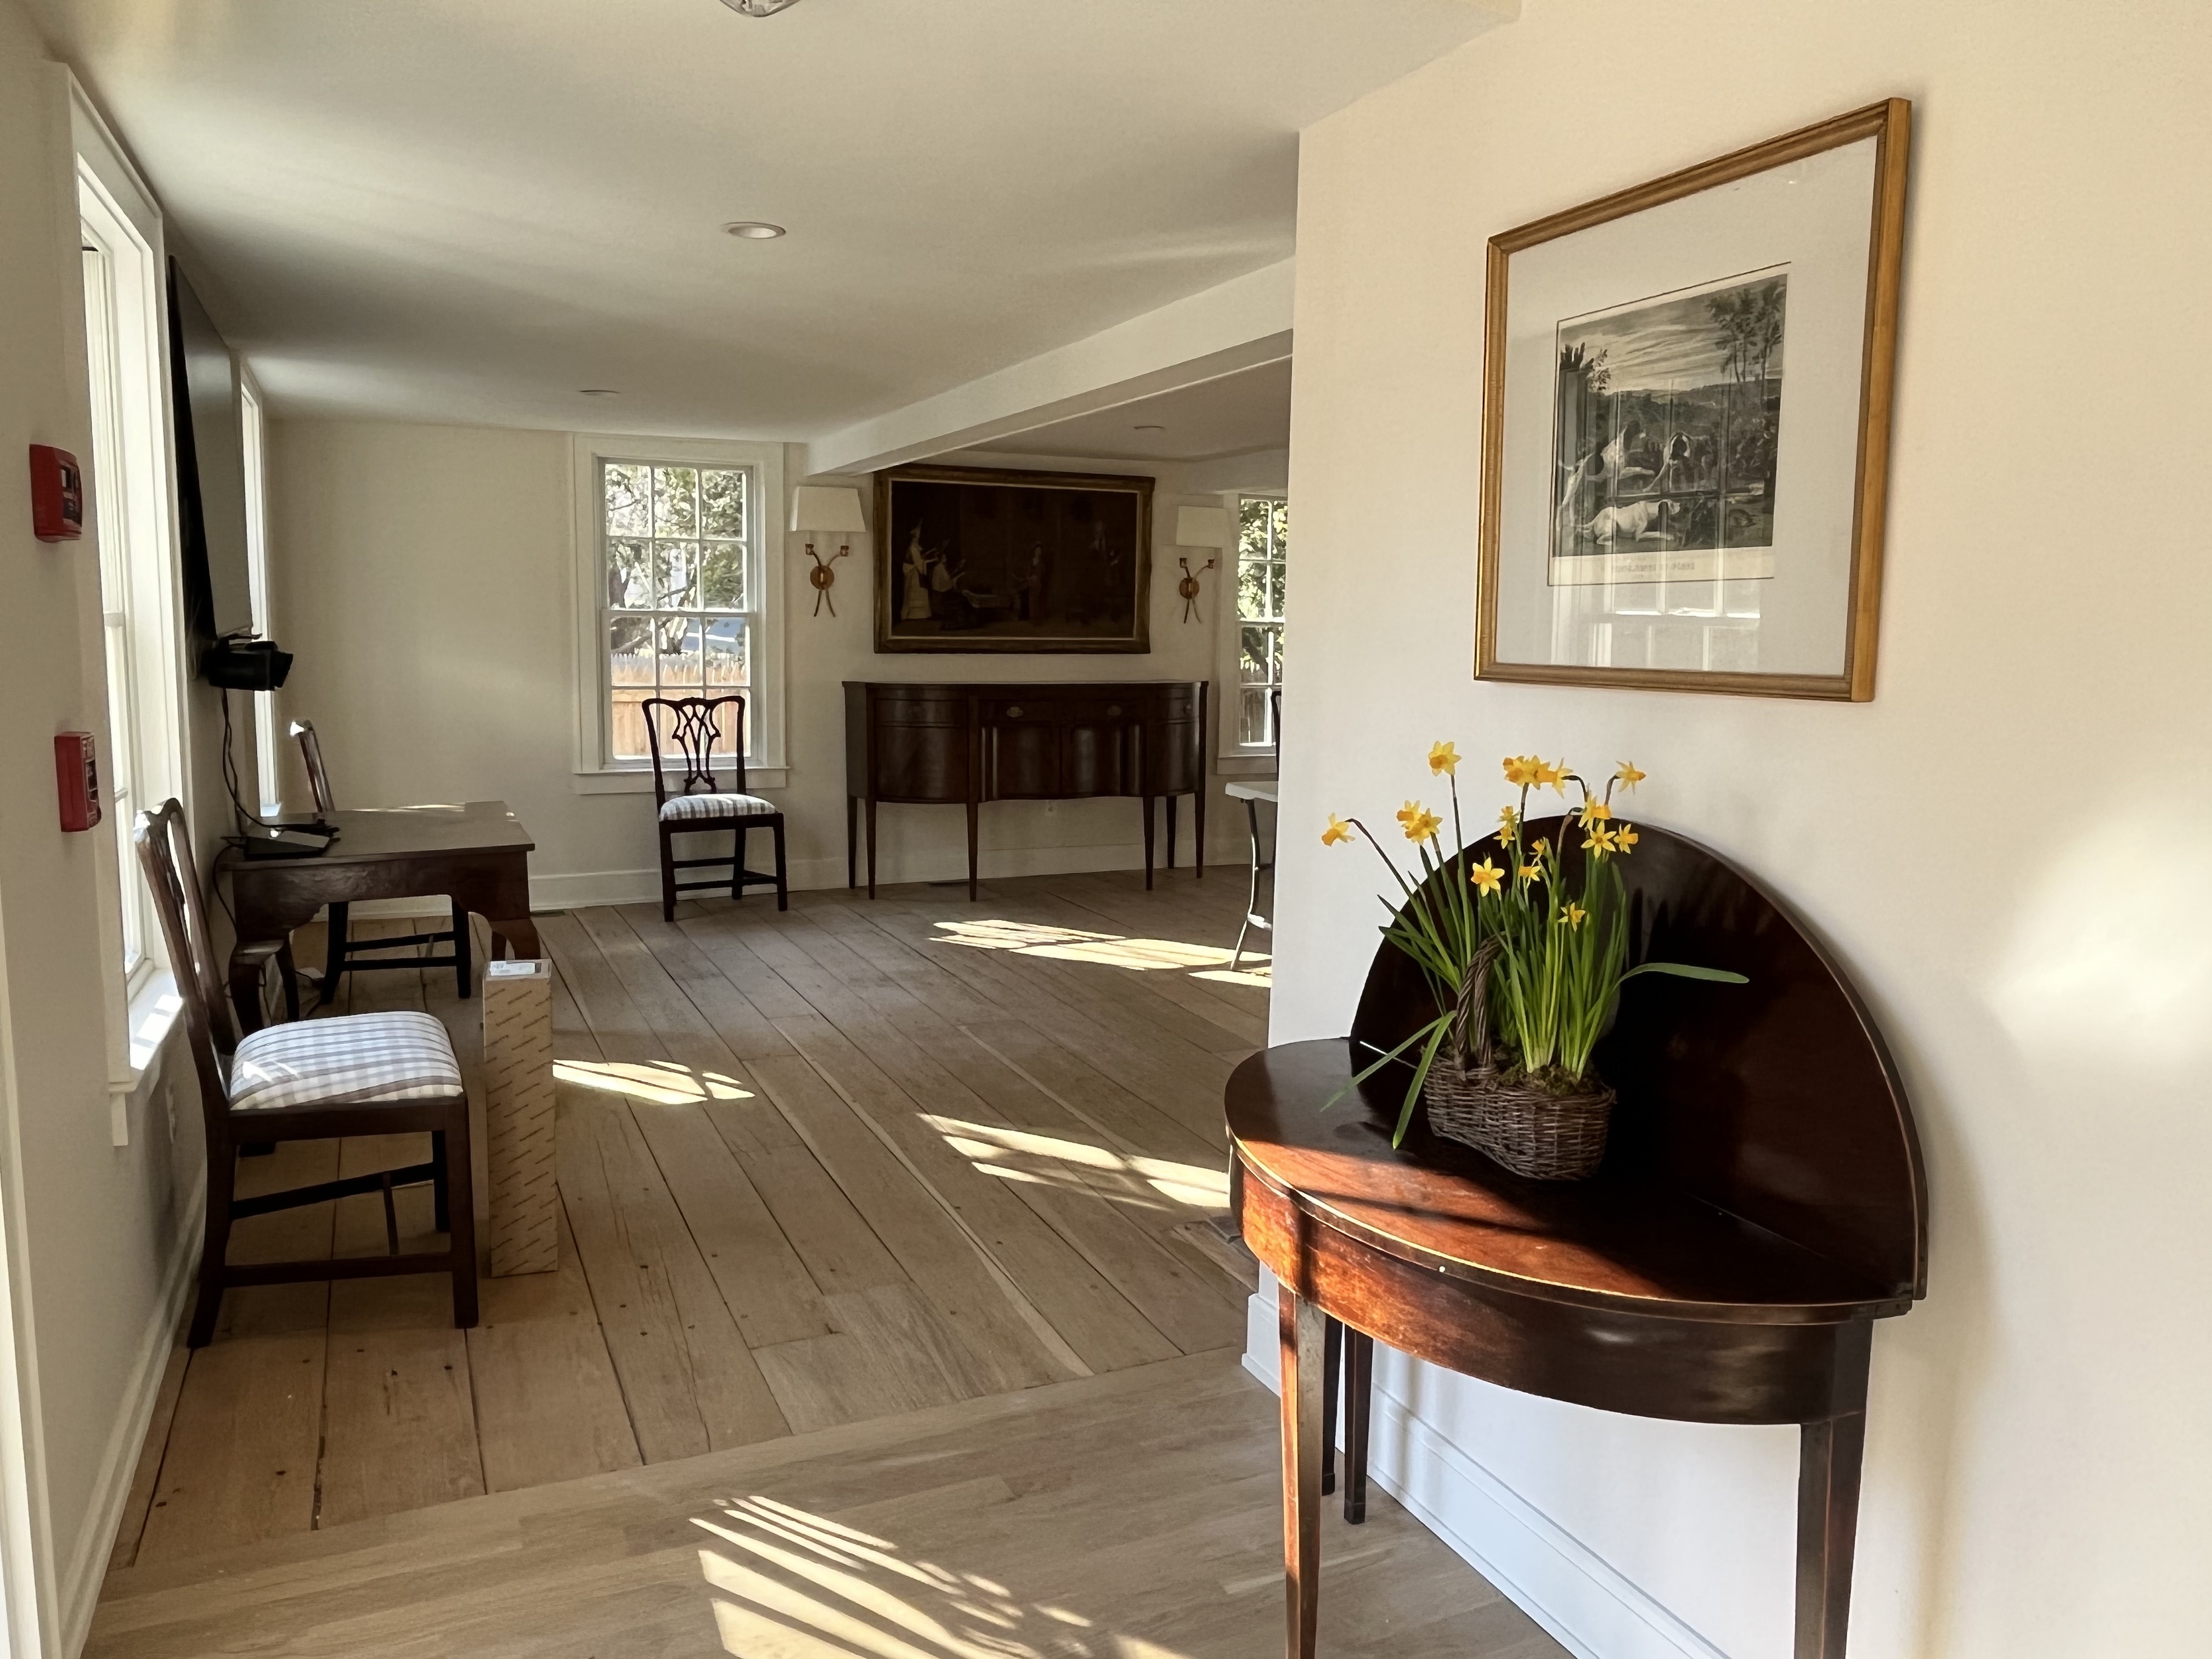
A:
(1686, 424)
(971, 559)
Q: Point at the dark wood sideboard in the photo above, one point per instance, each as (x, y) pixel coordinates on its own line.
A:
(1761, 1205)
(962, 745)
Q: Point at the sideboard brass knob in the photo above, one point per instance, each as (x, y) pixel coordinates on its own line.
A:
(1015, 712)
(1113, 708)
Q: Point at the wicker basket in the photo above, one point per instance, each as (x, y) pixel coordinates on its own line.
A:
(1530, 1130)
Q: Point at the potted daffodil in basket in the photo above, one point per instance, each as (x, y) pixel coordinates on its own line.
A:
(1525, 952)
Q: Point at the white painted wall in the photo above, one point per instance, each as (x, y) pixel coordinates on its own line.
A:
(421, 573)
(2007, 848)
(92, 1229)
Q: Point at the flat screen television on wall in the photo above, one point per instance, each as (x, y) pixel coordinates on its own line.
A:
(210, 468)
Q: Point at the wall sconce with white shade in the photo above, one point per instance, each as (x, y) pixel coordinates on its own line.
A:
(826, 510)
(1198, 526)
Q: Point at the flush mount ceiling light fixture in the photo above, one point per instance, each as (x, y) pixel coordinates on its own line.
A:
(754, 230)
(759, 8)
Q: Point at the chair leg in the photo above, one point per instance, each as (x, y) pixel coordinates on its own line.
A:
(441, 1192)
(222, 1173)
(465, 968)
(333, 955)
(667, 876)
(782, 886)
(291, 973)
(738, 859)
(460, 1187)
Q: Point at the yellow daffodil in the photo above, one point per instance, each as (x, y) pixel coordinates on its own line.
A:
(1532, 873)
(1509, 823)
(1572, 914)
(1417, 821)
(1519, 770)
(1486, 875)
(1338, 831)
(1594, 811)
(1626, 837)
(1628, 775)
(1541, 844)
(1444, 757)
(1556, 776)
(1600, 842)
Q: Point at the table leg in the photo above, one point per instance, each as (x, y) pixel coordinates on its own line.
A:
(974, 813)
(852, 842)
(1171, 831)
(246, 990)
(1299, 1325)
(872, 846)
(518, 934)
(1332, 1373)
(1358, 1396)
(1148, 843)
(1198, 828)
(1828, 1460)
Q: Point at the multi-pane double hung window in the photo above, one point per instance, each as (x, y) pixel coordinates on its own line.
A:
(104, 328)
(1263, 531)
(680, 612)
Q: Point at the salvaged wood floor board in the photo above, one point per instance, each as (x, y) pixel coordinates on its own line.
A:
(821, 1167)
(1132, 1513)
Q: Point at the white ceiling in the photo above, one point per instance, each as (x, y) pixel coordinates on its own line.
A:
(468, 209)
(1235, 414)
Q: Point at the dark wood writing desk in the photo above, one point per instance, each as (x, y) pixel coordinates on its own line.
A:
(957, 745)
(1761, 1205)
(478, 855)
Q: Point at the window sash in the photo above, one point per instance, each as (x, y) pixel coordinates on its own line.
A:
(1261, 568)
(715, 646)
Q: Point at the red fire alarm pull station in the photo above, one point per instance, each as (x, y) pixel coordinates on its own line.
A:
(76, 777)
(56, 495)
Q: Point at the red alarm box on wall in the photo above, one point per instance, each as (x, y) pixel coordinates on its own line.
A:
(77, 778)
(56, 495)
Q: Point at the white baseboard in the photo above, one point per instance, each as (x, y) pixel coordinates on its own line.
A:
(79, 1583)
(1588, 1605)
(582, 889)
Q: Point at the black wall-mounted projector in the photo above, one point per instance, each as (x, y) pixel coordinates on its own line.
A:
(242, 664)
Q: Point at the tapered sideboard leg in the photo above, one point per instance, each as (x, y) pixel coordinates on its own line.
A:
(1332, 1367)
(1300, 1325)
(1358, 1394)
(1828, 1458)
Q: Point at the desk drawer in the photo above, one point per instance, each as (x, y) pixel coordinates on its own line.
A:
(921, 711)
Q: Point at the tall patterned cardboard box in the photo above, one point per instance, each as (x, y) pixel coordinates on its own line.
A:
(517, 1071)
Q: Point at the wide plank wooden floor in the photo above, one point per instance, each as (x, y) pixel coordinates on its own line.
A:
(851, 1161)
(1129, 1514)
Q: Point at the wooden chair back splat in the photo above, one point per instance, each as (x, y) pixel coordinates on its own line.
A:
(327, 1085)
(693, 729)
(344, 954)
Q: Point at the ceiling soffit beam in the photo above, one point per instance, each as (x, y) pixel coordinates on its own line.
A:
(1240, 324)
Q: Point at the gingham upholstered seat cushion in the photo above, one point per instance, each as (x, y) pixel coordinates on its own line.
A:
(677, 808)
(335, 1062)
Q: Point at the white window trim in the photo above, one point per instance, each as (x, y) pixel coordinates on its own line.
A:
(140, 1007)
(253, 420)
(1256, 757)
(766, 766)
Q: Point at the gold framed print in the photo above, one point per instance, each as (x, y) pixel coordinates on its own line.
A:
(1686, 424)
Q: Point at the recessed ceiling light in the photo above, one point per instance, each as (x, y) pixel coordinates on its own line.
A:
(1151, 429)
(755, 230)
(599, 392)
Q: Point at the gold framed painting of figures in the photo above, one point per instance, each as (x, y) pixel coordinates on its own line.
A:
(1686, 424)
(971, 559)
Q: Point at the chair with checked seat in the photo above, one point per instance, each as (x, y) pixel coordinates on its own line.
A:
(317, 1079)
(694, 727)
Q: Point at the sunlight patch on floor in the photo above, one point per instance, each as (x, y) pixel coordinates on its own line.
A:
(793, 1585)
(1031, 939)
(655, 1083)
(1050, 1160)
